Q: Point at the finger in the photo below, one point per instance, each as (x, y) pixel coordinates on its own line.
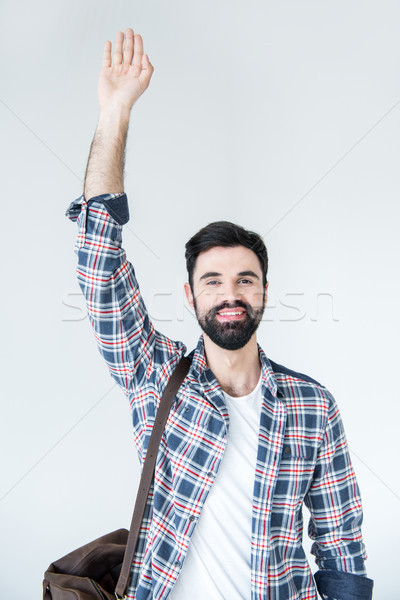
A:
(128, 48)
(107, 54)
(138, 51)
(117, 54)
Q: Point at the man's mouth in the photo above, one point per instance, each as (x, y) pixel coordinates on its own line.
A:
(231, 314)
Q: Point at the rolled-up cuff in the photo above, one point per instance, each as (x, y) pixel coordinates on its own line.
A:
(115, 204)
(339, 585)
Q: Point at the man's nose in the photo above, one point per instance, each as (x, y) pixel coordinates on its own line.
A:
(230, 292)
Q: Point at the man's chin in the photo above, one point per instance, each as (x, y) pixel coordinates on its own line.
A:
(228, 341)
(231, 335)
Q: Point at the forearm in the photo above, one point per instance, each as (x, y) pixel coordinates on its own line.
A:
(122, 81)
(336, 516)
(105, 167)
(334, 502)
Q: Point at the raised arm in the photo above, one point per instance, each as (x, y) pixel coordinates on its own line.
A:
(124, 76)
(125, 335)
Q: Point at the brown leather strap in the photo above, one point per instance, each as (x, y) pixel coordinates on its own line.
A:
(146, 479)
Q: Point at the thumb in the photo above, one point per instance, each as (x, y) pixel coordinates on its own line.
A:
(146, 64)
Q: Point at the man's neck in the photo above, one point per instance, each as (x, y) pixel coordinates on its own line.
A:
(237, 371)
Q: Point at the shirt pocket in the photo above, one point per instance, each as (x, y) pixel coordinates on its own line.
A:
(297, 450)
(295, 473)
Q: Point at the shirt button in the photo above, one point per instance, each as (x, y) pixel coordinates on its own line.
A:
(177, 563)
(192, 518)
(287, 450)
(210, 474)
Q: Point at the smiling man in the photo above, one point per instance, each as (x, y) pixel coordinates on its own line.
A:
(247, 441)
(238, 275)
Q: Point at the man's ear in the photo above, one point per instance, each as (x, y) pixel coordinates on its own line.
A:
(189, 295)
(266, 294)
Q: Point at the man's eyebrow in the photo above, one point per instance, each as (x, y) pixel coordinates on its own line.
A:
(210, 274)
(241, 274)
(248, 274)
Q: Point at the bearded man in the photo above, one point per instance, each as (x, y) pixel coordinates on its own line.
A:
(247, 441)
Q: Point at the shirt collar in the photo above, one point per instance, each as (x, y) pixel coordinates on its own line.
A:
(201, 372)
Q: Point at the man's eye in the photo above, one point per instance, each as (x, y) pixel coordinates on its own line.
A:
(213, 282)
(245, 281)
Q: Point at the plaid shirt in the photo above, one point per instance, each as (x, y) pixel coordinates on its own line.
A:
(302, 450)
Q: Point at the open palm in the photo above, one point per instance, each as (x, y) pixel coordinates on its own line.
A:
(125, 73)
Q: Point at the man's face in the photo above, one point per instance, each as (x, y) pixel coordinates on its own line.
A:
(228, 295)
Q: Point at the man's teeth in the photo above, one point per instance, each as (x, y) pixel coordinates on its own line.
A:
(230, 314)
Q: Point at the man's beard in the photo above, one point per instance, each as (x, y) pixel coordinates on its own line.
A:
(231, 335)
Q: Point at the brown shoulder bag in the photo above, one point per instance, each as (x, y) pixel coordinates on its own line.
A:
(101, 569)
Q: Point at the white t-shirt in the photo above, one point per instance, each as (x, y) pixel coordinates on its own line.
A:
(217, 565)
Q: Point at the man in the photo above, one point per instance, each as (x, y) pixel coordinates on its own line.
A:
(247, 441)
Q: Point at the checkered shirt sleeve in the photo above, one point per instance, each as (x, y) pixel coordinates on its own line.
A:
(334, 502)
(124, 333)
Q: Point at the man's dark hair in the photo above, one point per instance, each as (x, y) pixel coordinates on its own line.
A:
(226, 234)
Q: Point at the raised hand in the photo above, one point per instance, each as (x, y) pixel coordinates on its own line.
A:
(126, 72)
(124, 77)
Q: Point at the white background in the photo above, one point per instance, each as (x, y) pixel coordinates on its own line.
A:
(281, 116)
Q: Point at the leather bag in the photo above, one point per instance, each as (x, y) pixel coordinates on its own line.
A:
(100, 570)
